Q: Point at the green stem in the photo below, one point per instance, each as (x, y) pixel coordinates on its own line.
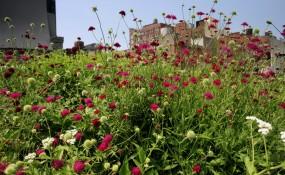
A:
(266, 153)
(252, 144)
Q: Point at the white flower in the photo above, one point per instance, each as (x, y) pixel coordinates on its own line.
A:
(263, 131)
(30, 157)
(47, 142)
(253, 118)
(71, 141)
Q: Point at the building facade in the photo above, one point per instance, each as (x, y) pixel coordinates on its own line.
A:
(25, 24)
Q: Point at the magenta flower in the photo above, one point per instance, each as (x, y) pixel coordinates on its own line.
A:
(103, 146)
(15, 95)
(88, 100)
(77, 117)
(196, 169)
(90, 66)
(136, 171)
(96, 122)
(208, 96)
(154, 107)
(57, 164)
(108, 138)
(65, 112)
(78, 166)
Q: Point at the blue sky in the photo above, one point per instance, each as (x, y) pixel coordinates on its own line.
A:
(74, 17)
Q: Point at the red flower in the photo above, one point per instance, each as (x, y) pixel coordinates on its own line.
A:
(112, 105)
(96, 122)
(55, 142)
(3, 166)
(57, 164)
(122, 13)
(136, 171)
(208, 96)
(282, 105)
(78, 166)
(117, 45)
(193, 80)
(64, 112)
(20, 172)
(217, 82)
(196, 169)
(103, 147)
(77, 117)
(91, 28)
(78, 136)
(154, 107)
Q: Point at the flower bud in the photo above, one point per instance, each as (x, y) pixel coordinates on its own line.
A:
(27, 108)
(11, 169)
(115, 168)
(190, 134)
(31, 81)
(107, 165)
(89, 143)
(137, 129)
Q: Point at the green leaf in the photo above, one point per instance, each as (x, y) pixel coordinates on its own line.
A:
(169, 167)
(124, 170)
(251, 170)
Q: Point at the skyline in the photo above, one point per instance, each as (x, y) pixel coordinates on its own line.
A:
(74, 18)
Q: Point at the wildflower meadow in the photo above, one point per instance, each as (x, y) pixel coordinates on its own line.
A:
(142, 111)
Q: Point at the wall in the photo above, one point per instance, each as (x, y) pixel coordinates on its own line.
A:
(22, 13)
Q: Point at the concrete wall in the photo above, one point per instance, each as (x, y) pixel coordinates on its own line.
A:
(22, 13)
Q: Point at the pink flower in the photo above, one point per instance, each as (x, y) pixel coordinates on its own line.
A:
(154, 107)
(64, 112)
(196, 169)
(77, 117)
(88, 100)
(50, 99)
(78, 166)
(40, 151)
(108, 138)
(80, 107)
(57, 164)
(136, 171)
(15, 95)
(208, 96)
